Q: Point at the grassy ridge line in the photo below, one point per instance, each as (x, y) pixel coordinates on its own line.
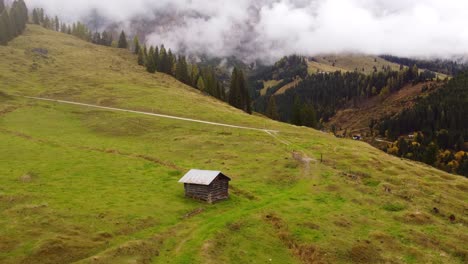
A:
(152, 114)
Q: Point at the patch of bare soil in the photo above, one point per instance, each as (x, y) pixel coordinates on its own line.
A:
(417, 218)
(7, 244)
(386, 241)
(193, 213)
(311, 225)
(306, 253)
(9, 201)
(8, 110)
(365, 252)
(342, 222)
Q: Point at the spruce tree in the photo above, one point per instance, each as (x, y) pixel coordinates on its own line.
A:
(8, 25)
(308, 116)
(170, 63)
(194, 73)
(63, 28)
(163, 64)
(35, 17)
(123, 44)
(157, 61)
(96, 39)
(57, 24)
(150, 66)
(106, 39)
(244, 93)
(210, 81)
(13, 20)
(296, 112)
(201, 84)
(136, 45)
(141, 58)
(3, 31)
(25, 11)
(181, 70)
(222, 91)
(234, 92)
(272, 110)
(46, 24)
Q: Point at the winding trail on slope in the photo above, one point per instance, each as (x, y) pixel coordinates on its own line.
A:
(268, 131)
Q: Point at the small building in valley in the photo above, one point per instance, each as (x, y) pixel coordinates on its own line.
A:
(205, 185)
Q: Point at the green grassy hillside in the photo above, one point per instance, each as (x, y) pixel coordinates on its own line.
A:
(79, 184)
(349, 62)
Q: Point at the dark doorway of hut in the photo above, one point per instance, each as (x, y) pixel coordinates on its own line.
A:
(206, 185)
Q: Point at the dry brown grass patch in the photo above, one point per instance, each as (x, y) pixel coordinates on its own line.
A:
(306, 253)
(136, 226)
(417, 218)
(61, 249)
(342, 222)
(365, 252)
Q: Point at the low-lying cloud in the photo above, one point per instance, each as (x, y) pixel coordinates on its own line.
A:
(269, 29)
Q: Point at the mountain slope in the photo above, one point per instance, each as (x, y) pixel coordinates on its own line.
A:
(357, 119)
(84, 185)
(349, 62)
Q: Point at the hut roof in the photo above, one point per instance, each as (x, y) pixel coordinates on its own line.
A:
(202, 177)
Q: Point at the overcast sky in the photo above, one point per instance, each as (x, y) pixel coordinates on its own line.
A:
(268, 29)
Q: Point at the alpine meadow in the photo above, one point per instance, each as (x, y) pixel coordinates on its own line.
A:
(233, 132)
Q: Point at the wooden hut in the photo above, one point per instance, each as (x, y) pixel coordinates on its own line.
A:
(209, 186)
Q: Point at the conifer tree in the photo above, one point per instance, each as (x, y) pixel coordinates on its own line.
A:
(123, 44)
(141, 58)
(234, 92)
(57, 24)
(157, 61)
(272, 110)
(106, 39)
(194, 73)
(41, 15)
(63, 28)
(136, 45)
(2, 6)
(308, 116)
(35, 17)
(296, 112)
(23, 15)
(96, 39)
(221, 94)
(170, 63)
(162, 66)
(201, 84)
(181, 72)
(46, 24)
(150, 66)
(245, 97)
(13, 18)
(4, 36)
(238, 92)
